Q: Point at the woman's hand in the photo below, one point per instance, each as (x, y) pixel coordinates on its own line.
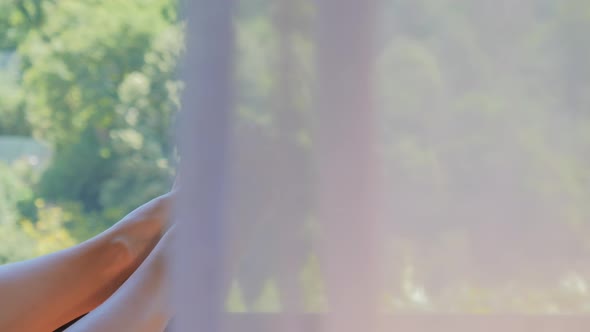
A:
(44, 293)
(137, 234)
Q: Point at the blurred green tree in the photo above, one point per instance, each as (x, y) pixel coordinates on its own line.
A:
(101, 89)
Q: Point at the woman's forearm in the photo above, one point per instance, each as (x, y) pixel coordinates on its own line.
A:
(44, 293)
(140, 304)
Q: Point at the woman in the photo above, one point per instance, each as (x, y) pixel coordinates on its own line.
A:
(117, 276)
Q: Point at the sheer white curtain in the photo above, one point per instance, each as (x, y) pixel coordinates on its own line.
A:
(345, 163)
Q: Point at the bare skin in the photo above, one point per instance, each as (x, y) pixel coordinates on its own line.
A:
(44, 293)
(140, 304)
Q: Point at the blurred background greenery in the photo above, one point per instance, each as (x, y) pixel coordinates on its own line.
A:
(87, 93)
(481, 104)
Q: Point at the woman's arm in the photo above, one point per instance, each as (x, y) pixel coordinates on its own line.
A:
(140, 304)
(46, 292)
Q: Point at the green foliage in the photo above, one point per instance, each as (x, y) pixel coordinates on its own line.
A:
(269, 300)
(235, 301)
(12, 190)
(76, 61)
(18, 18)
(16, 244)
(49, 231)
(13, 120)
(99, 87)
(102, 90)
(313, 288)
